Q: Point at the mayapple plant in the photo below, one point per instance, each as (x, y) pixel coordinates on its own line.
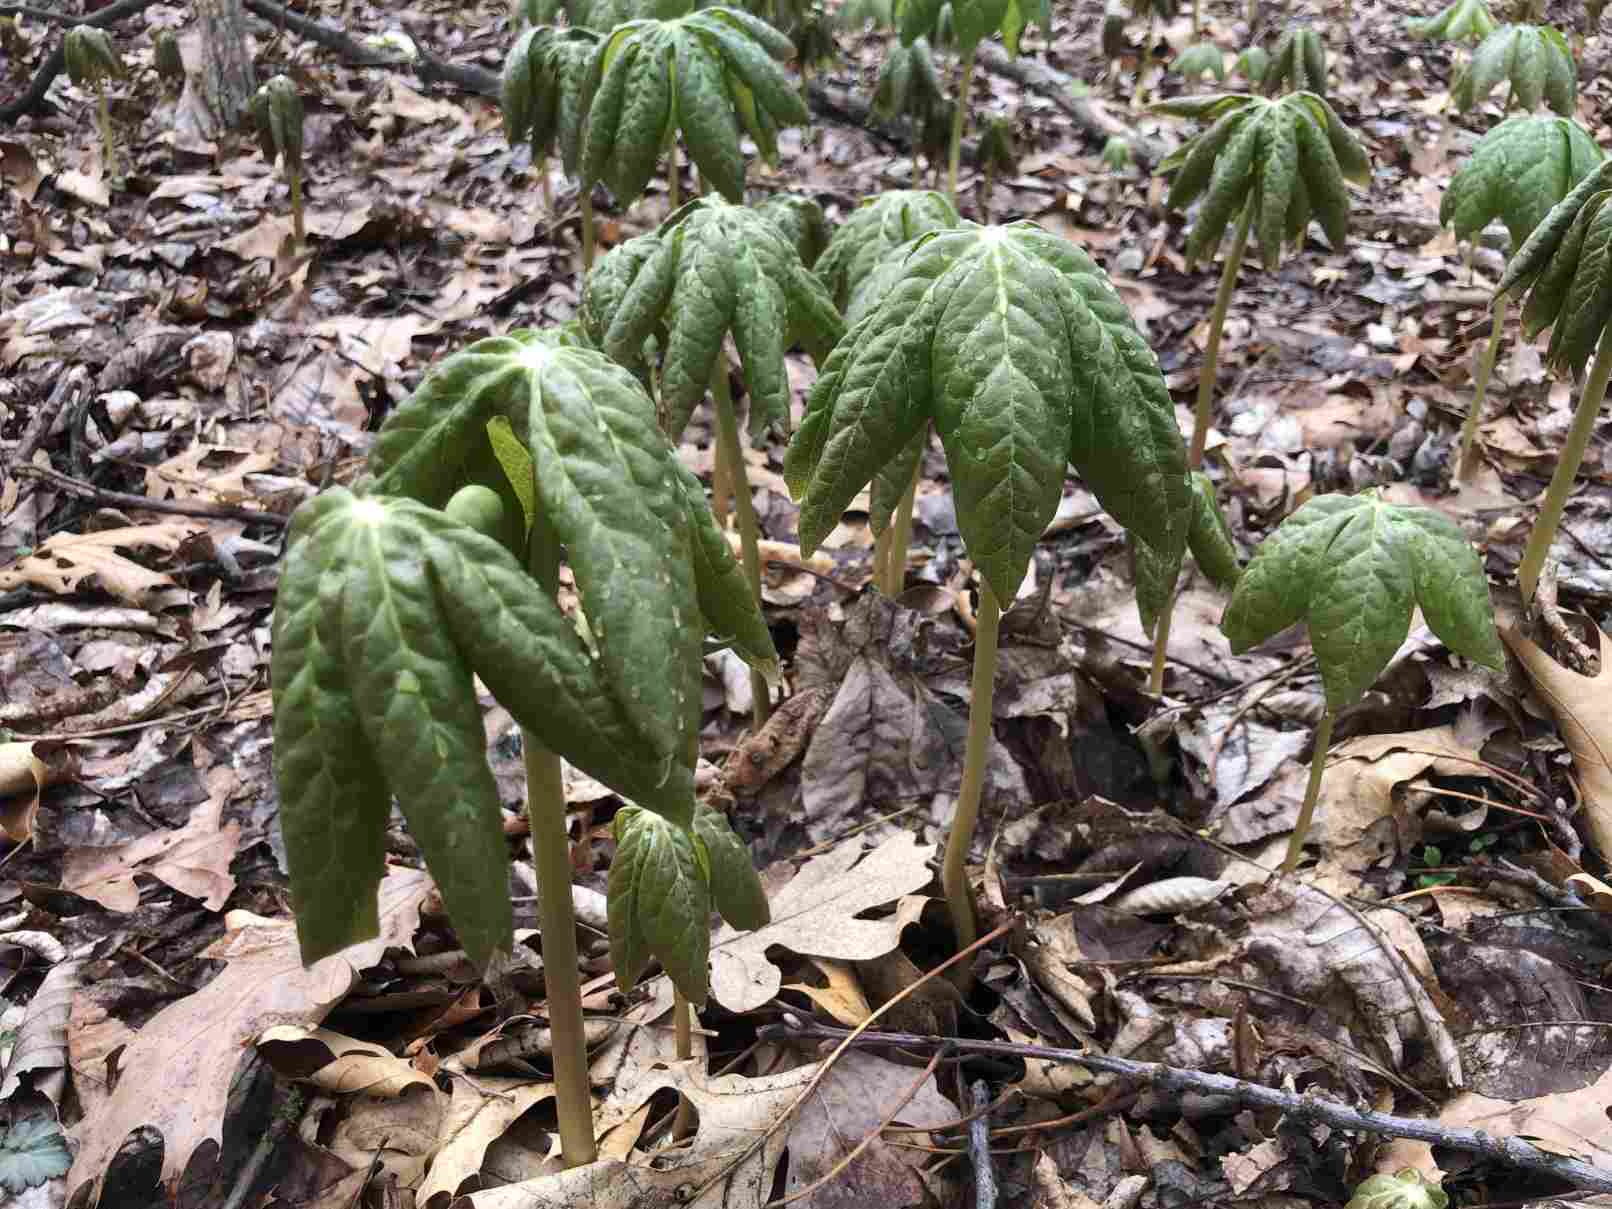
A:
(1012, 342)
(859, 251)
(998, 154)
(167, 58)
(972, 21)
(704, 76)
(443, 568)
(1353, 568)
(277, 115)
(1252, 64)
(1565, 267)
(1116, 153)
(92, 60)
(1516, 173)
(1534, 60)
(543, 97)
(1198, 60)
(909, 85)
(1459, 21)
(800, 220)
(1154, 11)
(713, 269)
(1274, 165)
(1298, 62)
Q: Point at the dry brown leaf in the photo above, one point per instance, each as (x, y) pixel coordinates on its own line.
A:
(175, 1077)
(814, 914)
(478, 1114)
(40, 1047)
(336, 1063)
(65, 561)
(23, 777)
(1583, 709)
(194, 860)
(1361, 820)
(842, 998)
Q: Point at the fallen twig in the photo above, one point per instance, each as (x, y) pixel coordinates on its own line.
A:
(123, 499)
(1512, 1151)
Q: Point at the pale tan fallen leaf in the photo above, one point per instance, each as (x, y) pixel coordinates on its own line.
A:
(337, 1063)
(814, 915)
(175, 1077)
(842, 998)
(1361, 818)
(24, 776)
(194, 860)
(1583, 709)
(40, 1047)
(65, 561)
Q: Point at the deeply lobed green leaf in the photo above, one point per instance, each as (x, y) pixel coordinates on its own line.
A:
(1012, 342)
(1459, 21)
(1517, 172)
(1298, 61)
(1534, 60)
(1353, 567)
(874, 229)
(711, 269)
(544, 91)
(1199, 59)
(704, 75)
(972, 21)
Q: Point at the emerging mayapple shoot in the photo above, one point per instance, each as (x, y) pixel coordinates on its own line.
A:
(1533, 60)
(277, 115)
(998, 154)
(908, 85)
(1274, 165)
(92, 60)
(1198, 60)
(1298, 63)
(1516, 173)
(704, 76)
(543, 96)
(1353, 568)
(1459, 21)
(1565, 266)
(167, 58)
(1014, 344)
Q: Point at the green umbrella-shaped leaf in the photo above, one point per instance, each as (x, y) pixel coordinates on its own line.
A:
(1516, 173)
(873, 230)
(1459, 21)
(1353, 567)
(1534, 60)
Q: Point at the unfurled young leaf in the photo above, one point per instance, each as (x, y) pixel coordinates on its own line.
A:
(711, 76)
(1516, 173)
(1298, 62)
(602, 16)
(800, 221)
(1566, 268)
(1013, 343)
(1198, 60)
(660, 902)
(1286, 158)
(92, 57)
(880, 224)
(1353, 568)
(973, 20)
(1534, 60)
(1252, 64)
(544, 91)
(711, 269)
(1406, 1190)
(736, 891)
(1117, 153)
(1459, 21)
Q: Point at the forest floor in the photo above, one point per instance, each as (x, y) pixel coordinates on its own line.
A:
(176, 377)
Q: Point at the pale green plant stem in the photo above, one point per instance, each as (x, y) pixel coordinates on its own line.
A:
(1197, 17)
(730, 450)
(1202, 417)
(587, 226)
(959, 116)
(1143, 62)
(987, 184)
(294, 177)
(975, 753)
(1253, 16)
(542, 166)
(1561, 483)
(683, 1038)
(103, 118)
(545, 814)
(890, 553)
(1466, 464)
(1312, 793)
(674, 186)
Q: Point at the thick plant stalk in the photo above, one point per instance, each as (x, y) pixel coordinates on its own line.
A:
(1466, 464)
(952, 879)
(683, 1038)
(1561, 483)
(545, 814)
(1201, 419)
(890, 554)
(103, 117)
(1197, 17)
(1211, 352)
(730, 451)
(542, 166)
(298, 230)
(1312, 793)
(955, 156)
(674, 185)
(1143, 62)
(587, 227)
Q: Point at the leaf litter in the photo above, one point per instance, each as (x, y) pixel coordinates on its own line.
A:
(229, 374)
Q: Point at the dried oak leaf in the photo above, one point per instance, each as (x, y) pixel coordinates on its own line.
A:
(65, 561)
